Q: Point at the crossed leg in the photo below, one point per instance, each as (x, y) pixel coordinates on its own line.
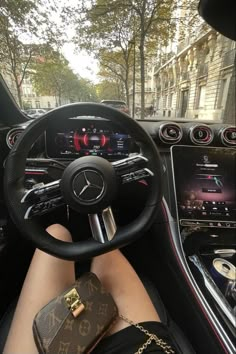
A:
(48, 276)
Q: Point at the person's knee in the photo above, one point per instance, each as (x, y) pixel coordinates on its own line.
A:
(60, 232)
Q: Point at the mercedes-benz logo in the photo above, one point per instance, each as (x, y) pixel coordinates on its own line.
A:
(88, 185)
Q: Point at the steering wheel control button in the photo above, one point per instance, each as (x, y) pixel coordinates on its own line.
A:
(88, 185)
(43, 207)
(41, 190)
(136, 175)
(132, 168)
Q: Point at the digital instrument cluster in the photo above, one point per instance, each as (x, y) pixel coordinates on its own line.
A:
(82, 137)
(205, 186)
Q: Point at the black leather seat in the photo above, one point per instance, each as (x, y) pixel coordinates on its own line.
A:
(177, 335)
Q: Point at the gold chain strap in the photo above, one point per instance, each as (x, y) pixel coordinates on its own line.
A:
(167, 349)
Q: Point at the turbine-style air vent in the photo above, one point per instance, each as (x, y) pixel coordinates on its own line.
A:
(12, 136)
(170, 133)
(201, 134)
(228, 136)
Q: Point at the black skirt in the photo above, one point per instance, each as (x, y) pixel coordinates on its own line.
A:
(130, 339)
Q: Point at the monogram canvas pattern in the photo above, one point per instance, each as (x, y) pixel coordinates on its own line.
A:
(55, 329)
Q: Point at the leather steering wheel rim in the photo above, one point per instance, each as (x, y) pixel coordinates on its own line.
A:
(14, 184)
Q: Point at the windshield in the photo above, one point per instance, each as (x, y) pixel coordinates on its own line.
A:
(158, 57)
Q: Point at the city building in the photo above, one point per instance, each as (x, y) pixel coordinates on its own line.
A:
(194, 75)
(30, 98)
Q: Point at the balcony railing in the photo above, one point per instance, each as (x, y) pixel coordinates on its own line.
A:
(228, 58)
(202, 70)
(183, 44)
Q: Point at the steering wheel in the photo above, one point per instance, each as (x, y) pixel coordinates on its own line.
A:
(88, 185)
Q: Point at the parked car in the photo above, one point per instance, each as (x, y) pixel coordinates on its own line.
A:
(35, 112)
(120, 105)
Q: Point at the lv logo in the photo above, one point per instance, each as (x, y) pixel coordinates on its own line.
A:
(63, 348)
(91, 287)
(52, 319)
(69, 324)
(102, 310)
(80, 349)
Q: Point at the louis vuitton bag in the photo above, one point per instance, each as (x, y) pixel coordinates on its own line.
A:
(75, 321)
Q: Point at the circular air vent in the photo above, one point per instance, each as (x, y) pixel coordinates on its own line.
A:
(228, 136)
(201, 134)
(170, 133)
(12, 136)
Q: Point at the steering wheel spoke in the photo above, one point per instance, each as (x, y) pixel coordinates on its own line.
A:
(103, 225)
(42, 199)
(133, 168)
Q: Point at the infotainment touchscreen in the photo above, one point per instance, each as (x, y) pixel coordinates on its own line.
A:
(81, 137)
(205, 184)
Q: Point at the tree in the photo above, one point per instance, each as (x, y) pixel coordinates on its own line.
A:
(52, 76)
(105, 22)
(23, 23)
(153, 19)
(117, 67)
(106, 38)
(109, 90)
(16, 58)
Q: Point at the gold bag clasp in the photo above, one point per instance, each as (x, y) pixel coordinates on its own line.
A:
(74, 302)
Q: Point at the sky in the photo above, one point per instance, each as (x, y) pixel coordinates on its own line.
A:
(81, 63)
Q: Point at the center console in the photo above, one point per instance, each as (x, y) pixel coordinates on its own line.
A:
(205, 194)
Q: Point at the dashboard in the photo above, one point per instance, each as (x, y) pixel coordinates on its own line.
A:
(204, 195)
(81, 137)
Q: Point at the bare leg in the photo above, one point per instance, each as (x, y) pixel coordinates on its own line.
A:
(120, 279)
(47, 277)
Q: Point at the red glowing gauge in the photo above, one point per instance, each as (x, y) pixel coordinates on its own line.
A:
(76, 141)
(86, 139)
(104, 140)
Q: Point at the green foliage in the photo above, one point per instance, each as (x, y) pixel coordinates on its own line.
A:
(111, 24)
(52, 76)
(109, 90)
(116, 66)
(25, 28)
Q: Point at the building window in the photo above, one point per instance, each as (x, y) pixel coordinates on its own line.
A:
(201, 96)
(171, 100)
(165, 101)
(27, 80)
(222, 93)
(37, 104)
(28, 91)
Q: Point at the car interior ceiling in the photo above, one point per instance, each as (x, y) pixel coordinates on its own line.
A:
(155, 255)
